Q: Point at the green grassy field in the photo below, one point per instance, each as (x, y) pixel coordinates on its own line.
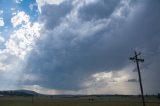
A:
(79, 101)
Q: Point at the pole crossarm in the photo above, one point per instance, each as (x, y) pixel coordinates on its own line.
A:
(137, 60)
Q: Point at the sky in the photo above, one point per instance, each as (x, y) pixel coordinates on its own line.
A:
(79, 46)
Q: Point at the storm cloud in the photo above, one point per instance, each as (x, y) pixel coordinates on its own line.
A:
(51, 17)
(80, 39)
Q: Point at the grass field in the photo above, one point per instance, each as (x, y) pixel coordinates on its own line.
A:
(78, 101)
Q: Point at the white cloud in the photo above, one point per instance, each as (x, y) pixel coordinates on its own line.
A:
(12, 9)
(113, 82)
(22, 40)
(103, 75)
(1, 12)
(19, 19)
(43, 2)
(12, 57)
(41, 90)
(18, 1)
(1, 38)
(3, 67)
(1, 22)
(31, 6)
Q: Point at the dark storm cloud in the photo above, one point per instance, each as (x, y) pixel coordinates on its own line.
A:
(51, 17)
(99, 9)
(132, 80)
(65, 58)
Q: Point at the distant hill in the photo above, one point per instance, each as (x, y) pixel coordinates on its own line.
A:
(33, 93)
(19, 93)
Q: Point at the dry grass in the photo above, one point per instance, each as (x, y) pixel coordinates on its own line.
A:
(82, 101)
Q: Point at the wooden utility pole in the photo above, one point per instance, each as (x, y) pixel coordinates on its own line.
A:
(137, 60)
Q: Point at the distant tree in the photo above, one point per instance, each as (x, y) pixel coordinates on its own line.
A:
(158, 95)
(147, 95)
(91, 99)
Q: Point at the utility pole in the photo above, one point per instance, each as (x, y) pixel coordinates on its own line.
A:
(137, 60)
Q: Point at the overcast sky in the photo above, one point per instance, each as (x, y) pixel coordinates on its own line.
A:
(79, 46)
